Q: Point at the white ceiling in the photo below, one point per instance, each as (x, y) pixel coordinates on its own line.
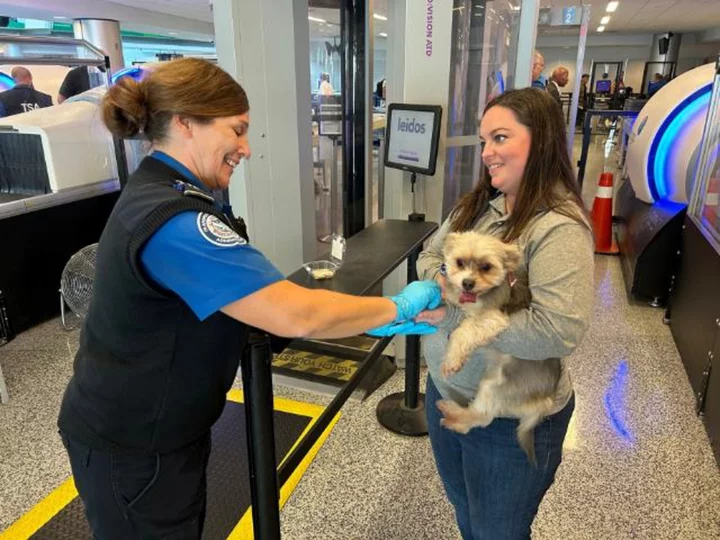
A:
(331, 26)
(644, 16)
(190, 9)
(186, 16)
(631, 16)
(143, 16)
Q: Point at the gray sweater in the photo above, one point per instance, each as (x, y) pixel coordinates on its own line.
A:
(558, 265)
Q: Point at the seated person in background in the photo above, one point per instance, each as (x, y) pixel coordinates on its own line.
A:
(558, 79)
(656, 84)
(23, 97)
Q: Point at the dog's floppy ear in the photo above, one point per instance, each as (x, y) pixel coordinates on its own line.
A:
(450, 242)
(512, 257)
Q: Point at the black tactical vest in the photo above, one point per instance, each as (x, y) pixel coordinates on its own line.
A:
(148, 376)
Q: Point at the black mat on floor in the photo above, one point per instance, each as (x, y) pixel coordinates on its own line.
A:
(228, 477)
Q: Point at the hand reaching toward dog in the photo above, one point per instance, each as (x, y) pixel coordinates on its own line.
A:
(416, 297)
(432, 316)
(410, 302)
(406, 328)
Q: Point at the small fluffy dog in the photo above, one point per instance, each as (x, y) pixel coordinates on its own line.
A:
(479, 280)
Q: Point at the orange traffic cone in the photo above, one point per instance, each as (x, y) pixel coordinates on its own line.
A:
(602, 217)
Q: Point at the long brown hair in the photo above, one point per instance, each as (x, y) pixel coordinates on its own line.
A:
(548, 180)
(190, 87)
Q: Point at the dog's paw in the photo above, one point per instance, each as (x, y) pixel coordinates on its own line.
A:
(454, 416)
(455, 425)
(449, 368)
(445, 406)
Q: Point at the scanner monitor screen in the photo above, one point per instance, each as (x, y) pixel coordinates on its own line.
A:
(603, 86)
(412, 133)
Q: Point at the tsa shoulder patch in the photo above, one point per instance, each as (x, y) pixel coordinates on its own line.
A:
(217, 232)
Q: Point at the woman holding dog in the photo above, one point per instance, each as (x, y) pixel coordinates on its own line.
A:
(528, 195)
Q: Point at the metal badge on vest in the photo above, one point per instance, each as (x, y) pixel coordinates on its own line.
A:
(236, 224)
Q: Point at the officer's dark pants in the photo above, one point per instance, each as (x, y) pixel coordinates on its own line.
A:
(155, 496)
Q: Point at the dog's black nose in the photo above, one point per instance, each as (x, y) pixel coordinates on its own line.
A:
(468, 284)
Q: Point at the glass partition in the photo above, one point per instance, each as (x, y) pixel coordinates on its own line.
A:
(326, 104)
(481, 57)
(561, 35)
(380, 27)
(705, 203)
(49, 50)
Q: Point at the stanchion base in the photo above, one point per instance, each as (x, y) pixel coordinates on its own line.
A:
(393, 415)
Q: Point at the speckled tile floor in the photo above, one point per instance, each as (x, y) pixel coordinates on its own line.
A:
(637, 460)
(637, 465)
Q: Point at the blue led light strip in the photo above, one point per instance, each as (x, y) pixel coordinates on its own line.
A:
(614, 399)
(6, 81)
(501, 81)
(662, 157)
(135, 72)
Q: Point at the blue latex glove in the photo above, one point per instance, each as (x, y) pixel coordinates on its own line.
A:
(402, 329)
(416, 297)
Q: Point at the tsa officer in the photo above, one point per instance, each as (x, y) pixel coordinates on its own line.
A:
(22, 97)
(177, 287)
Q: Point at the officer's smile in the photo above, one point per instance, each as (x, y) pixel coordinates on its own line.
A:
(232, 162)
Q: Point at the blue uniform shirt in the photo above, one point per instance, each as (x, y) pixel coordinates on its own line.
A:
(540, 82)
(202, 260)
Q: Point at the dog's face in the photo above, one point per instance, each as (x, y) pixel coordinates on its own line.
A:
(475, 264)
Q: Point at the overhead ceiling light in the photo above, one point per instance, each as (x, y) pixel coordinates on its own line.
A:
(605, 19)
(515, 8)
(382, 34)
(379, 17)
(611, 7)
(173, 33)
(601, 28)
(60, 17)
(315, 19)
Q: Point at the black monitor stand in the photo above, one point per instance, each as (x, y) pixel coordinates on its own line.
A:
(414, 215)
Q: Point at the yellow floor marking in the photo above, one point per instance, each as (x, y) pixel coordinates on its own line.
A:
(48, 508)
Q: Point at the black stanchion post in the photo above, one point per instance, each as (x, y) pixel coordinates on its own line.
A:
(585, 146)
(257, 387)
(412, 349)
(405, 413)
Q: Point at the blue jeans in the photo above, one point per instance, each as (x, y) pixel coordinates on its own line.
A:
(488, 478)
